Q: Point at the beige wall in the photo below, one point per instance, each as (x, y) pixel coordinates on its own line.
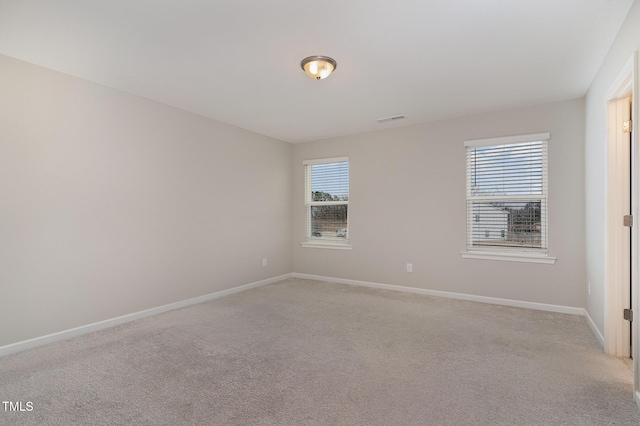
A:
(112, 204)
(407, 205)
(626, 43)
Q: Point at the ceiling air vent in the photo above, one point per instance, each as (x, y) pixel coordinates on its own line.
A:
(388, 119)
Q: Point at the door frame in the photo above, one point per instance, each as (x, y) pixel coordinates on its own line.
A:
(615, 292)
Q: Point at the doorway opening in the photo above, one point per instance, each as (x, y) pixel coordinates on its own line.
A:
(619, 224)
(621, 338)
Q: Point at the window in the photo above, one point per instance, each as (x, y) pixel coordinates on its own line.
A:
(507, 198)
(327, 202)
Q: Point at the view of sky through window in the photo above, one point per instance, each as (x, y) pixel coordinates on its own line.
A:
(331, 178)
(513, 169)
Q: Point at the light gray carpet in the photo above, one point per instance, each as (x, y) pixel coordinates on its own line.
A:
(303, 352)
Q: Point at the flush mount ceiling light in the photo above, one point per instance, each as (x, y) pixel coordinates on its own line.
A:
(318, 67)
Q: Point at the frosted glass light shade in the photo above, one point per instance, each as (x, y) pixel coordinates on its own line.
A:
(318, 67)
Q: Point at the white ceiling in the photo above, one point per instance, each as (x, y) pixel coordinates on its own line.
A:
(238, 61)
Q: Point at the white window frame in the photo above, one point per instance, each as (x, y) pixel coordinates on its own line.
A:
(512, 254)
(313, 242)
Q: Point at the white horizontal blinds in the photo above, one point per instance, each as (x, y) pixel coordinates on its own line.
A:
(507, 193)
(514, 169)
(327, 199)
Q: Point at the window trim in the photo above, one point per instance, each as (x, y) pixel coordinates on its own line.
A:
(530, 255)
(323, 244)
(527, 257)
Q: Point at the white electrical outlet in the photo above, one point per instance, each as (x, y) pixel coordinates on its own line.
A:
(409, 267)
(264, 262)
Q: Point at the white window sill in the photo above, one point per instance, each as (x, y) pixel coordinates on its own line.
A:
(326, 245)
(509, 257)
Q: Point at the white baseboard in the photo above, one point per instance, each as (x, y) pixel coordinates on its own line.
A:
(62, 335)
(78, 331)
(595, 330)
(460, 296)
